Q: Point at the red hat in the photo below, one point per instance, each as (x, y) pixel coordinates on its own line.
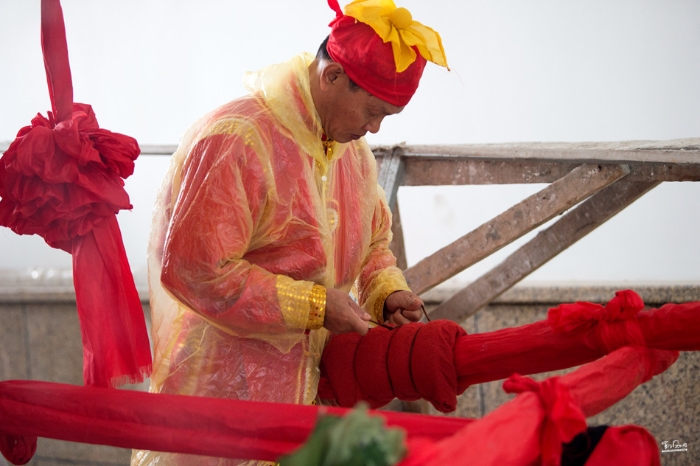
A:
(382, 49)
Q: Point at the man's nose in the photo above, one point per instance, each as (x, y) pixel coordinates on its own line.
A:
(373, 125)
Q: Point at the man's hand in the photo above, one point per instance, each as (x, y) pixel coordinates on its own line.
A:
(402, 307)
(343, 314)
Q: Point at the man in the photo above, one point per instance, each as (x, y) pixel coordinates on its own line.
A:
(271, 214)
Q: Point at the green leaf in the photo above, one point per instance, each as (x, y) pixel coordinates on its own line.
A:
(356, 439)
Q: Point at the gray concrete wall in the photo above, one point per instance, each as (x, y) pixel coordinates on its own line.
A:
(40, 340)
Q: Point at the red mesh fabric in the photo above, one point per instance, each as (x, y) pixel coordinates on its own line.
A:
(625, 446)
(408, 362)
(62, 179)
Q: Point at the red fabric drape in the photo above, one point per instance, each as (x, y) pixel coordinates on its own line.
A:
(527, 430)
(515, 433)
(563, 419)
(388, 363)
(62, 178)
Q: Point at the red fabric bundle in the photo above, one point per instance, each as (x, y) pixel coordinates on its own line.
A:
(409, 362)
(400, 371)
(572, 335)
(529, 429)
(62, 178)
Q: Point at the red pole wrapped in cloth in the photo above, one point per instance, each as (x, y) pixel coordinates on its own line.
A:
(438, 361)
(175, 423)
(62, 179)
(534, 424)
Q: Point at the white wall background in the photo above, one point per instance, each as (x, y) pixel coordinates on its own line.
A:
(521, 71)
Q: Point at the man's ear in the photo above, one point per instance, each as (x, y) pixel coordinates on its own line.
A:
(331, 74)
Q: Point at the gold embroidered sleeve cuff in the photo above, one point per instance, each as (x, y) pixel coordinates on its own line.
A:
(302, 303)
(391, 279)
(318, 307)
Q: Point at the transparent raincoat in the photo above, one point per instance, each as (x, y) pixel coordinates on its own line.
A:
(254, 215)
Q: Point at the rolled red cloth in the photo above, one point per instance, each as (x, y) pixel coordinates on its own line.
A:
(373, 379)
(338, 369)
(408, 362)
(400, 368)
(432, 364)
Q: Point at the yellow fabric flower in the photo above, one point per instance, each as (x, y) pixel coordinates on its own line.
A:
(396, 25)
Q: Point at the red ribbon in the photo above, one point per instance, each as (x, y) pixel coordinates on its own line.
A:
(563, 417)
(616, 323)
(62, 179)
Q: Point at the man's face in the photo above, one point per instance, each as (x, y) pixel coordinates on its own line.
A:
(353, 111)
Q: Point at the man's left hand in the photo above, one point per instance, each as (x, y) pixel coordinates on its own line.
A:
(402, 307)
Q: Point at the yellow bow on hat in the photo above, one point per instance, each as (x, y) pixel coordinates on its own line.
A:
(396, 25)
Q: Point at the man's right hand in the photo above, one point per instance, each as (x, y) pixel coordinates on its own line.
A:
(343, 314)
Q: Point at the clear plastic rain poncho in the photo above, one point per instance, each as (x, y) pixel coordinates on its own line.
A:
(254, 215)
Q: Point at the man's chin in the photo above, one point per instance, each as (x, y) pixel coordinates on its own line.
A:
(348, 138)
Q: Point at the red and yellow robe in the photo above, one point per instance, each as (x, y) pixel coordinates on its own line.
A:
(255, 217)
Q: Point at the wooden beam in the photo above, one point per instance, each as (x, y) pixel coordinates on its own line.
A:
(664, 172)
(435, 171)
(390, 175)
(438, 171)
(678, 151)
(397, 246)
(532, 212)
(538, 251)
